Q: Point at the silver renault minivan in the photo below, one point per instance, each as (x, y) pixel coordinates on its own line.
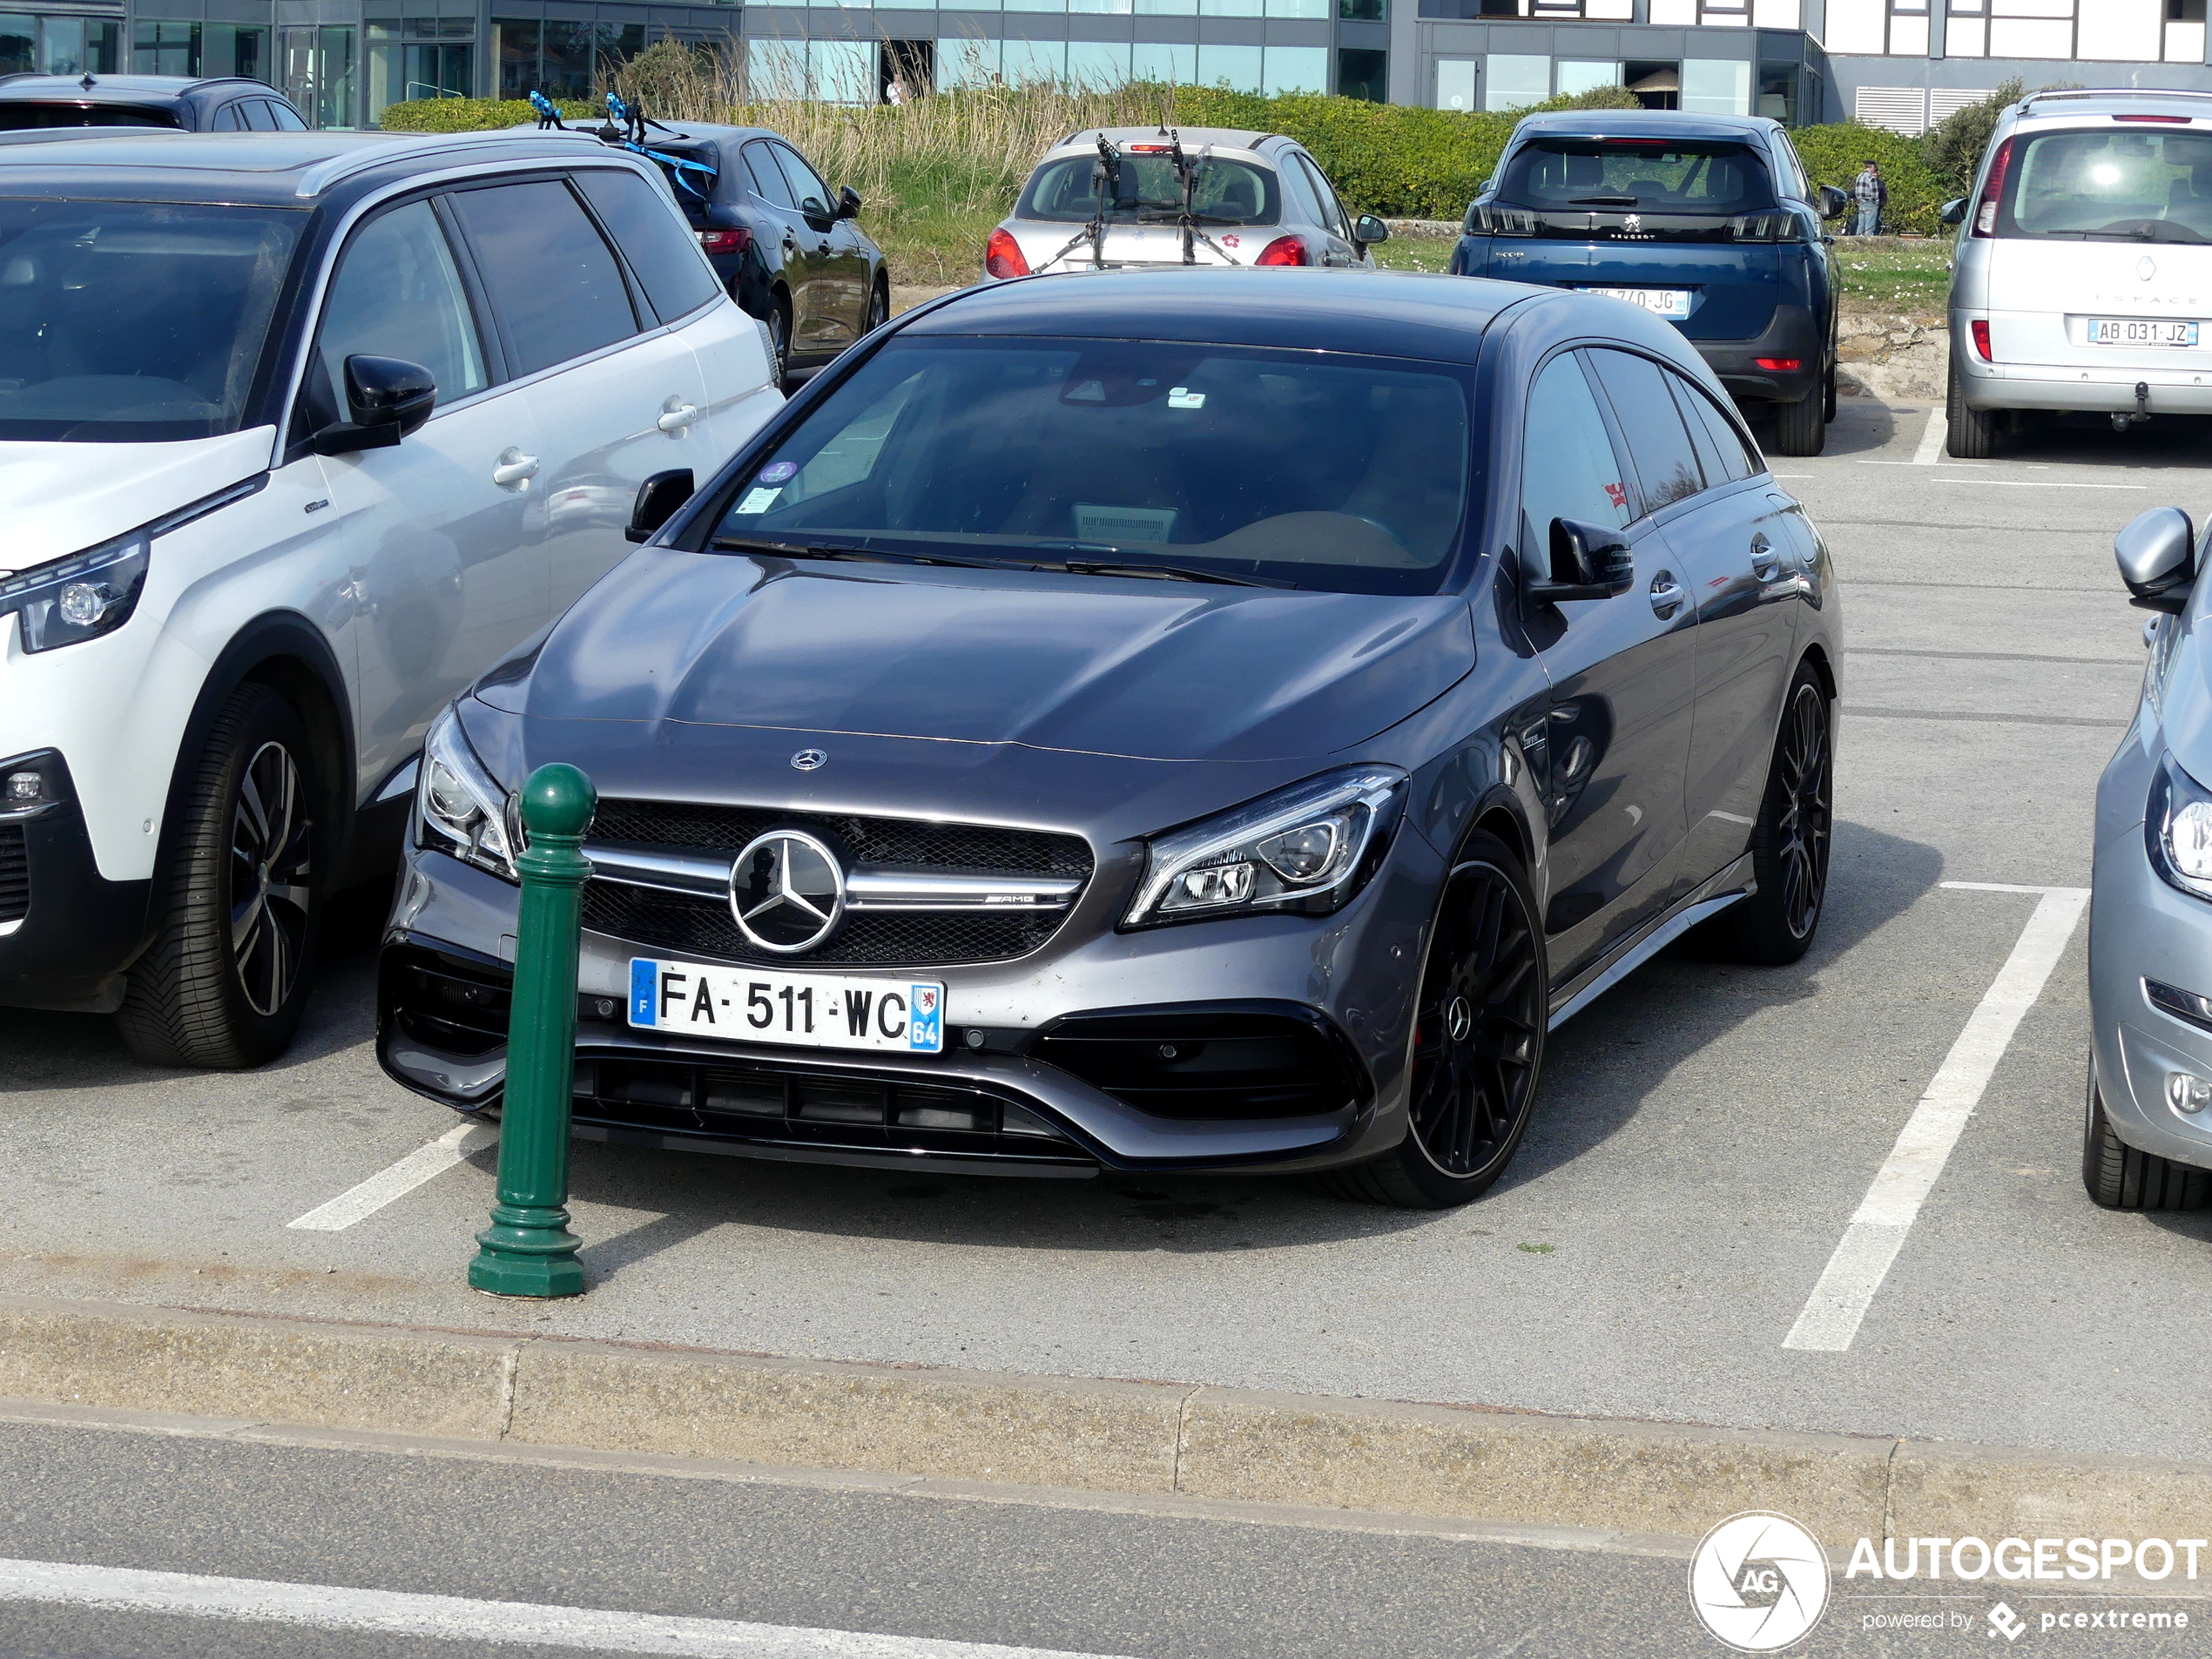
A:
(2082, 275)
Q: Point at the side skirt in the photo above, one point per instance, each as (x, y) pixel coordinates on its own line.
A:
(1734, 883)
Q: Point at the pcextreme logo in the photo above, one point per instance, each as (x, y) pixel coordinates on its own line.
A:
(1759, 1581)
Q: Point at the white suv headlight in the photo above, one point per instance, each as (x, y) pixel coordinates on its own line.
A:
(82, 596)
(1307, 849)
(458, 809)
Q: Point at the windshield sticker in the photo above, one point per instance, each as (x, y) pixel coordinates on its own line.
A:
(1182, 397)
(759, 501)
(1615, 493)
(779, 472)
(1119, 524)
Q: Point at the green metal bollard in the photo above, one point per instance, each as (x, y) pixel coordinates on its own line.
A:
(528, 1250)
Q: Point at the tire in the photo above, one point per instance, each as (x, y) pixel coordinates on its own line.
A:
(1827, 395)
(2120, 1178)
(1478, 1042)
(1799, 427)
(779, 321)
(225, 982)
(1789, 843)
(879, 307)
(1972, 433)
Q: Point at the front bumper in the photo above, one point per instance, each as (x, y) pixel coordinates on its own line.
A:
(66, 932)
(2142, 928)
(1051, 1063)
(1793, 331)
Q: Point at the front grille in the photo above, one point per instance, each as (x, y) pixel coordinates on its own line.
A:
(853, 1112)
(446, 1004)
(703, 925)
(967, 848)
(15, 874)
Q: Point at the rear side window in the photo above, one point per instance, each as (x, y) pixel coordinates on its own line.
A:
(15, 117)
(1647, 175)
(554, 285)
(1658, 444)
(661, 249)
(288, 118)
(1224, 191)
(1567, 467)
(228, 119)
(768, 181)
(256, 111)
(398, 295)
(2110, 184)
(1737, 459)
(1331, 209)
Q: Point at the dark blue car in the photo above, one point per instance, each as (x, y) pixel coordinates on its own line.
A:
(1709, 221)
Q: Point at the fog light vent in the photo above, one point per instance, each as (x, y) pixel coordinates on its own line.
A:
(2183, 1005)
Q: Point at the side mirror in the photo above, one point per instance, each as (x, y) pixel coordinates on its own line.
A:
(389, 397)
(657, 499)
(1953, 211)
(1832, 201)
(1367, 230)
(849, 203)
(1588, 562)
(2157, 559)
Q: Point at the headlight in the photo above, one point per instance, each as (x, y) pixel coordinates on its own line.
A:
(458, 809)
(2178, 828)
(79, 598)
(1307, 848)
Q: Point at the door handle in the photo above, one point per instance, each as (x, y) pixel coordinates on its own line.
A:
(1765, 560)
(514, 469)
(676, 415)
(1666, 594)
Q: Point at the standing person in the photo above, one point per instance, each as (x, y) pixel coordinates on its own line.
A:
(1869, 197)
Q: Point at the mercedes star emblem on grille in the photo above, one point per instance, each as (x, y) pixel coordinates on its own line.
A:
(787, 892)
(808, 759)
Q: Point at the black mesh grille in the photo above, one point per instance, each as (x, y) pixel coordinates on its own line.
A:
(672, 921)
(15, 874)
(883, 938)
(968, 847)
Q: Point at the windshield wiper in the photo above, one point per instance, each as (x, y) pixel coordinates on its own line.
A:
(860, 555)
(1170, 572)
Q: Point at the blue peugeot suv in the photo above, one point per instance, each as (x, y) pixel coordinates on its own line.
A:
(1709, 221)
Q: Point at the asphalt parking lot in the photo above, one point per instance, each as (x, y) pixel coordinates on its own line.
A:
(1705, 1135)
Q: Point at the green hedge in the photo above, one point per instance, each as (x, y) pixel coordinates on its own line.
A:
(473, 114)
(1834, 154)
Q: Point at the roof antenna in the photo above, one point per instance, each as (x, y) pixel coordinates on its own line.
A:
(87, 82)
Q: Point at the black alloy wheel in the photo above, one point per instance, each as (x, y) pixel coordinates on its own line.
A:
(226, 977)
(1828, 393)
(1790, 844)
(1478, 1041)
(879, 307)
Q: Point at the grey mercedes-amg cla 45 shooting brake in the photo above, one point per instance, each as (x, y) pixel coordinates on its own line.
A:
(1155, 721)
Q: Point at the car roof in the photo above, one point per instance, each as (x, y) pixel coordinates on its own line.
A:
(673, 133)
(122, 89)
(1422, 315)
(2102, 103)
(1643, 124)
(269, 169)
(1192, 138)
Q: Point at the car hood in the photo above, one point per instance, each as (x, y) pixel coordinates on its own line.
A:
(1099, 665)
(62, 498)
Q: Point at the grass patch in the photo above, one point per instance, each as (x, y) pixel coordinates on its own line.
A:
(1889, 274)
(1404, 252)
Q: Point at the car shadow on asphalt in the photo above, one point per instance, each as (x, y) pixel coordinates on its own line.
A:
(1602, 1068)
(2176, 440)
(1861, 426)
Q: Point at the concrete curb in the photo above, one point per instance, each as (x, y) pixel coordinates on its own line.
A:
(1128, 1437)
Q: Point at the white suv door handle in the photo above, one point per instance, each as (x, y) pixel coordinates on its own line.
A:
(514, 468)
(676, 415)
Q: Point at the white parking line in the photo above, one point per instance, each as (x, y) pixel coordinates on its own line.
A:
(424, 1163)
(1938, 429)
(453, 1618)
(1876, 1232)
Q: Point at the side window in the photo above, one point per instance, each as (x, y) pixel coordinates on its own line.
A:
(1298, 191)
(1701, 440)
(288, 118)
(1790, 169)
(398, 295)
(661, 248)
(256, 111)
(1738, 459)
(807, 186)
(768, 182)
(1331, 209)
(554, 285)
(1567, 467)
(1658, 443)
(227, 119)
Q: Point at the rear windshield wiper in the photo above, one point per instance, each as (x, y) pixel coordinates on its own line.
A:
(860, 555)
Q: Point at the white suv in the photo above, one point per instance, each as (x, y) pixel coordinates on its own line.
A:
(298, 434)
(2083, 269)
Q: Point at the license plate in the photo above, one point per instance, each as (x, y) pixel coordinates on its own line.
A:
(2141, 331)
(807, 1011)
(1671, 303)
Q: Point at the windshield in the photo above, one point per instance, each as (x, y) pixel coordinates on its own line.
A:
(1647, 175)
(133, 322)
(2126, 185)
(1224, 191)
(14, 117)
(1343, 473)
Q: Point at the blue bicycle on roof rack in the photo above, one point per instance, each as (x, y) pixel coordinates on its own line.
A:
(625, 129)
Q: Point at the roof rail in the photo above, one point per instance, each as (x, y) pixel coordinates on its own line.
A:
(2110, 91)
(324, 174)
